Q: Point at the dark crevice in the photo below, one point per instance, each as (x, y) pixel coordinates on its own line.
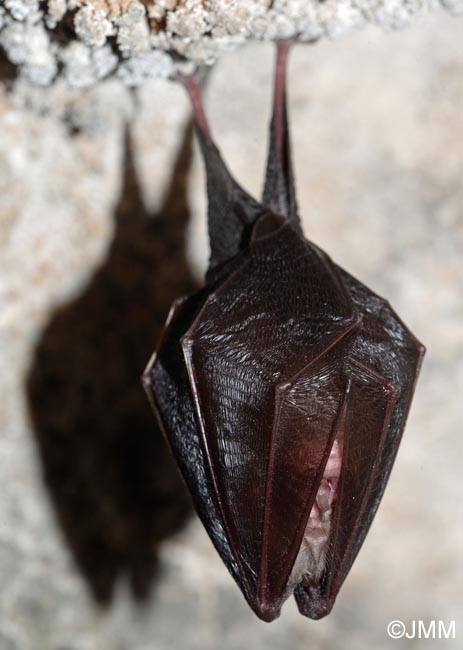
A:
(8, 71)
(64, 32)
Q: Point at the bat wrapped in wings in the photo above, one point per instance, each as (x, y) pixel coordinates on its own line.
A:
(282, 387)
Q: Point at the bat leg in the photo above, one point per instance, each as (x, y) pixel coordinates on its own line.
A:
(231, 210)
(371, 400)
(279, 193)
(201, 121)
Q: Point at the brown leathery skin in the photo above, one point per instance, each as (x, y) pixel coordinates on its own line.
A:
(257, 374)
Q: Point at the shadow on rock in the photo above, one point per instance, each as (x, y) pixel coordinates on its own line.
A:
(109, 473)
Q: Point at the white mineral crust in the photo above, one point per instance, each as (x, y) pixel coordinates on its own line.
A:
(40, 38)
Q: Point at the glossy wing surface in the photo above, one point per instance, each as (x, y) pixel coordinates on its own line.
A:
(168, 389)
(382, 369)
(307, 417)
(258, 329)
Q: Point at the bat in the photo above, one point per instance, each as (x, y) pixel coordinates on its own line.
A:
(282, 387)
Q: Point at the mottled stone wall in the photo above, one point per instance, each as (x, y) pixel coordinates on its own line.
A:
(93, 226)
(88, 40)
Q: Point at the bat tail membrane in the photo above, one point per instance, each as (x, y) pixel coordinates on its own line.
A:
(231, 210)
(279, 193)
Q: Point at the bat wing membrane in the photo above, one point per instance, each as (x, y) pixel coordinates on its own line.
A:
(368, 409)
(261, 372)
(231, 210)
(307, 417)
(167, 386)
(382, 369)
(236, 352)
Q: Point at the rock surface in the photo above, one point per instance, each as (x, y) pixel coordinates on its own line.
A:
(377, 127)
(88, 40)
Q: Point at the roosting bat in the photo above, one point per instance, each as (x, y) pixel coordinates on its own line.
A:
(282, 387)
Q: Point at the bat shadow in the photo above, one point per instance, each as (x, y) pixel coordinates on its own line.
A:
(109, 474)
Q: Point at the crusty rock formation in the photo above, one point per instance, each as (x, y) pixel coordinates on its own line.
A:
(88, 40)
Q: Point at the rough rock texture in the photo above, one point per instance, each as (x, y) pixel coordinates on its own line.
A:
(89, 261)
(88, 40)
